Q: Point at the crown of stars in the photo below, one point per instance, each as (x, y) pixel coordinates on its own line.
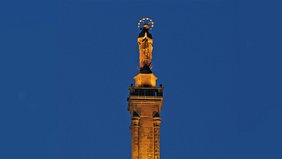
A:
(147, 21)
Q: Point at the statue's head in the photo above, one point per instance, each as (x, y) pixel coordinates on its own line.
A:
(146, 26)
(145, 29)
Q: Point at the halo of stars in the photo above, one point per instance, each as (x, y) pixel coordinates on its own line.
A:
(148, 21)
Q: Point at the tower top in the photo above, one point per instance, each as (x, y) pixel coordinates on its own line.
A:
(145, 100)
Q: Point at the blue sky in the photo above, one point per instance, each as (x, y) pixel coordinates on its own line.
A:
(66, 67)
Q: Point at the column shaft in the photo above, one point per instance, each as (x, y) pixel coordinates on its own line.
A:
(134, 141)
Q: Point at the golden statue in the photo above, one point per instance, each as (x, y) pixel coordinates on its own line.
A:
(145, 78)
(145, 43)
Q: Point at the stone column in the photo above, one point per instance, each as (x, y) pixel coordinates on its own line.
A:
(146, 138)
(135, 136)
(157, 122)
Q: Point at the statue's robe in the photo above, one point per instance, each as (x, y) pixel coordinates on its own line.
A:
(145, 43)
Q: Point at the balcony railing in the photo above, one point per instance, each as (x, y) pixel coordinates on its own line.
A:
(145, 91)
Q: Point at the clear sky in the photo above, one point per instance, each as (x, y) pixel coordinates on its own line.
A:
(66, 66)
